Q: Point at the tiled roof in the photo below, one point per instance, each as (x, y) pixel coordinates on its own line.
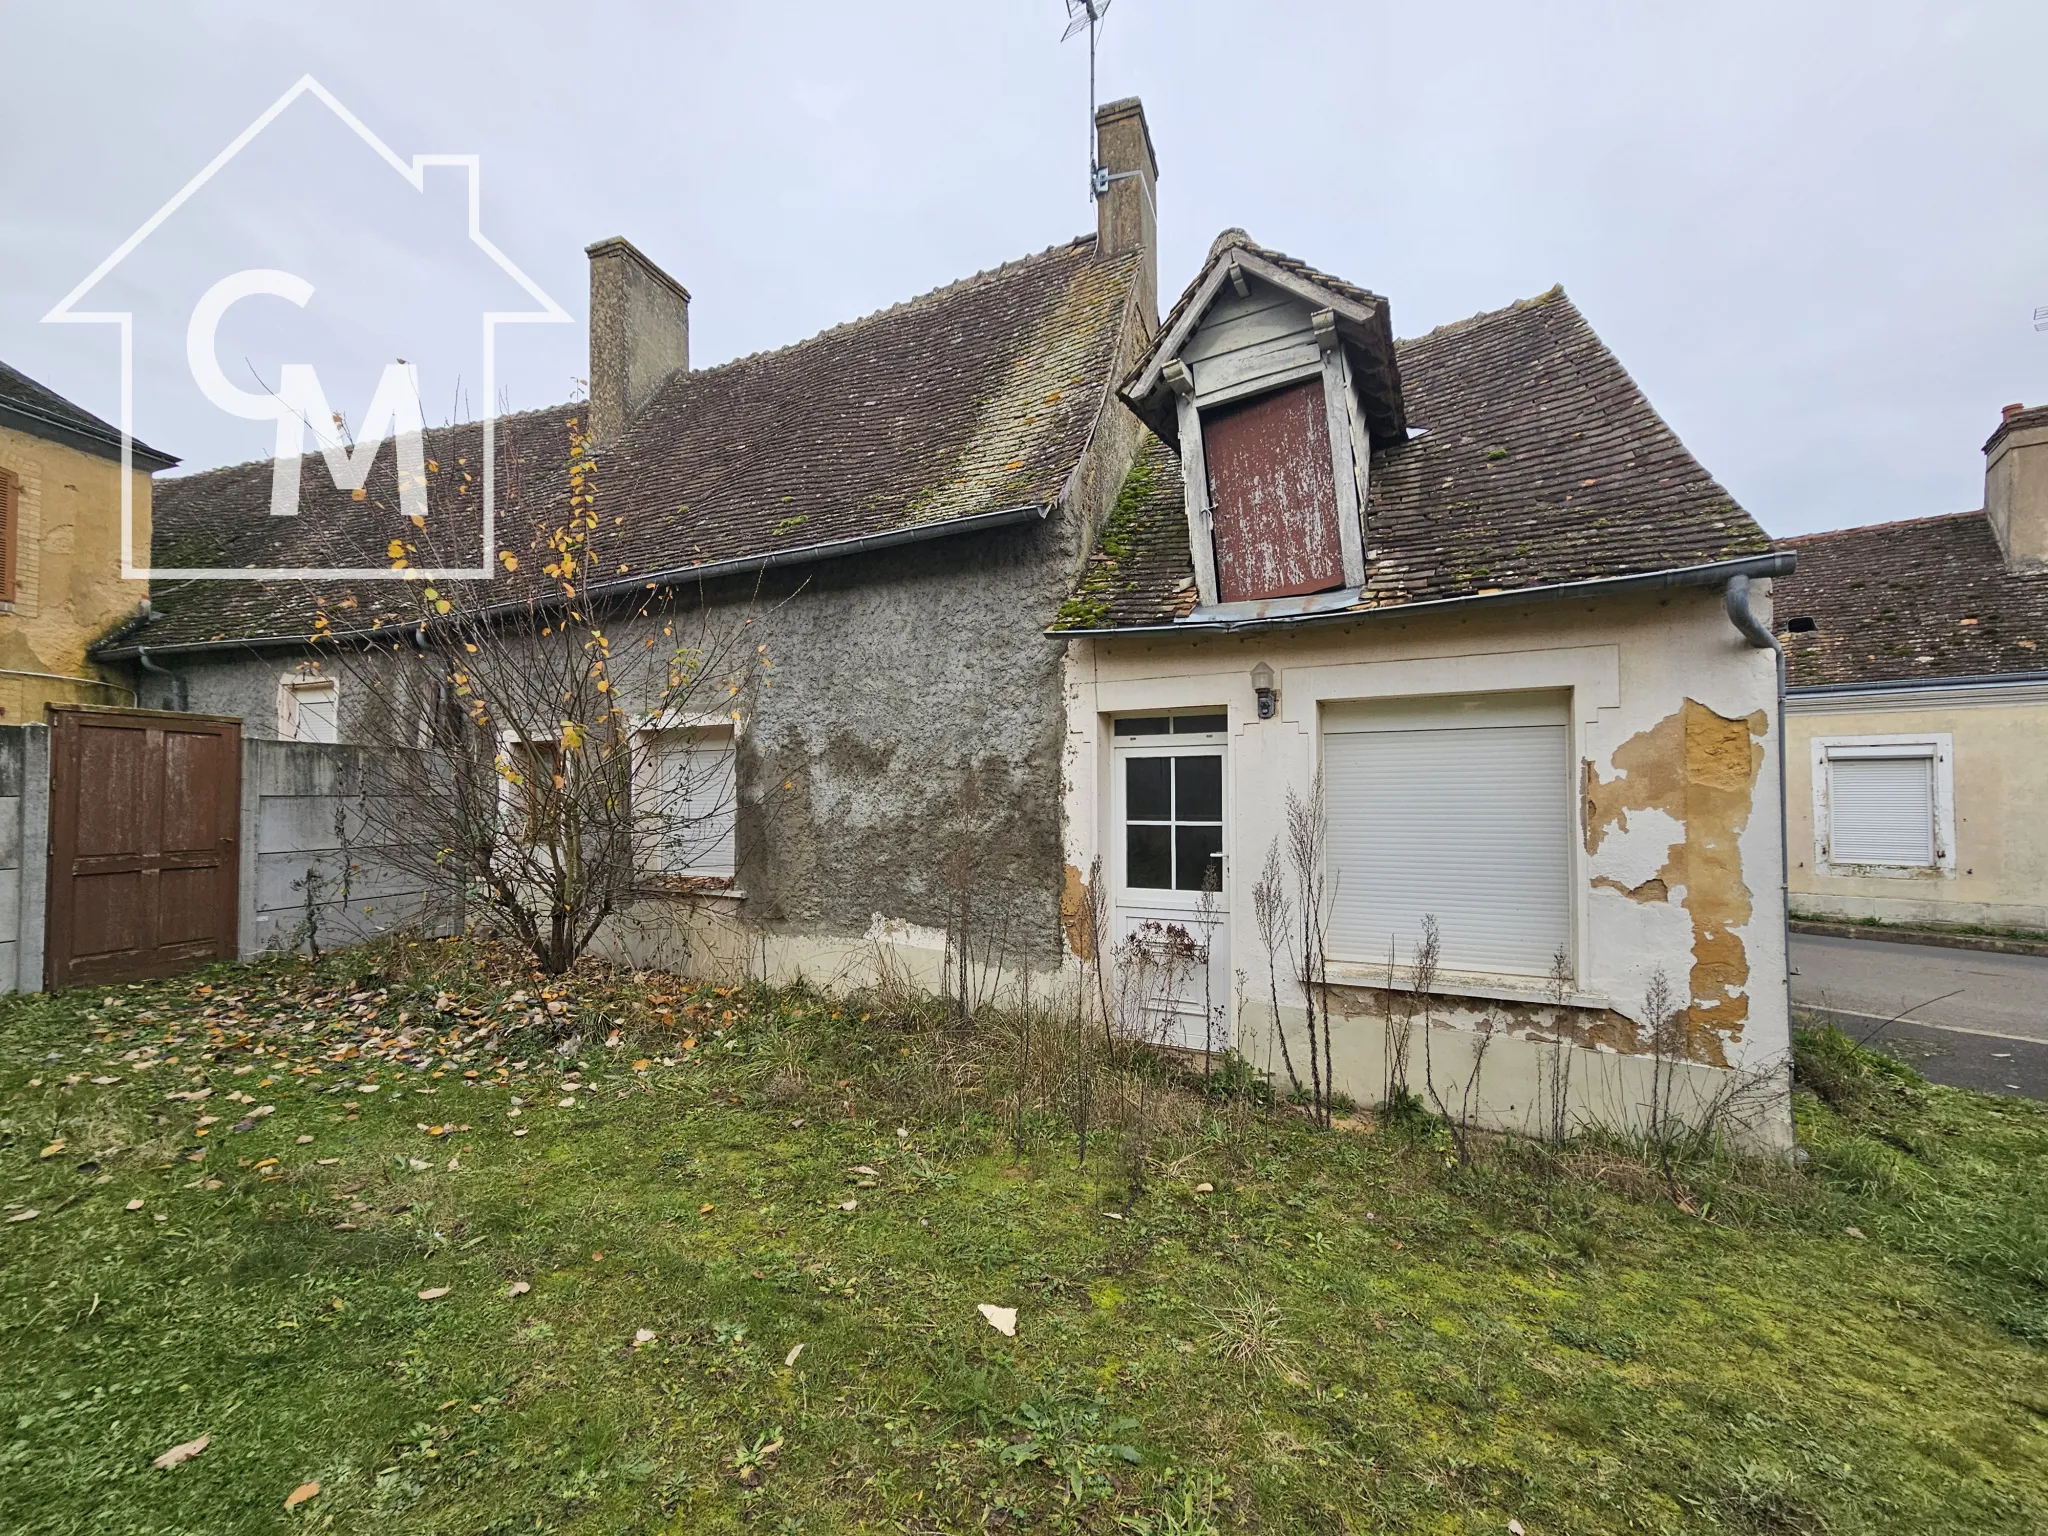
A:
(975, 398)
(1929, 598)
(1539, 462)
(27, 406)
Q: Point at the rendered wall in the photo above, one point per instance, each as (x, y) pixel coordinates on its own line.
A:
(68, 590)
(309, 874)
(1675, 854)
(2000, 767)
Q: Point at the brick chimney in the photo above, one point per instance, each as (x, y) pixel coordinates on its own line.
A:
(1127, 213)
(639, 334)
(2016, 487)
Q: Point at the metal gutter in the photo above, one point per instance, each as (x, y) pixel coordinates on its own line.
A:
(1777, 562)
(56, 429)
(830, 549)
(1919, 684)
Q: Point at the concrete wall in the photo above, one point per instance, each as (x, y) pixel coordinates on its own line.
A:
(1675, 861)
(24, 850)
(1998, 876)
(68, 589)
(308, 871)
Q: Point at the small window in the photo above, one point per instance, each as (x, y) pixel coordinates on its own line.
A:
(1205, 724)
(306, 709)
(1881, 809)
(1801, 626)
(536, 768)
(686, 803)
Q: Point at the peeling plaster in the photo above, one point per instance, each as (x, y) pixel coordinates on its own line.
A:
(1700, 768)
(1074, 921)
(1597, 1029)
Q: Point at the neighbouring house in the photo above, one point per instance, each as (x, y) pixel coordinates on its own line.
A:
(1062, 603)
(62, 482)
(1917, 709)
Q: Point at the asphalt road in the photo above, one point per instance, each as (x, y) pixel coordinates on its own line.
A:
(1964, 1017)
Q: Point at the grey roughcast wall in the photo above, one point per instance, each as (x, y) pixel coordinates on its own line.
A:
(309, 875)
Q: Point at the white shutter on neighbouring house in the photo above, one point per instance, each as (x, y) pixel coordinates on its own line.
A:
(1881, 808)
(688, 796)
(1455, 808)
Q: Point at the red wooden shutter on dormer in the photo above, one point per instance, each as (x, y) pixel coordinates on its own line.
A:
(1273, 495)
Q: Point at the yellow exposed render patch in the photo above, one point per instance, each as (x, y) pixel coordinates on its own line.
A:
(1074, 915)
(1699, 768)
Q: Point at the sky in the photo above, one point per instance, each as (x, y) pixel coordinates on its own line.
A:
(1815, 232)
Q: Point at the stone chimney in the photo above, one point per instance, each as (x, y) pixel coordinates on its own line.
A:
(2016, 487)
(1127, 212)
(639, 334)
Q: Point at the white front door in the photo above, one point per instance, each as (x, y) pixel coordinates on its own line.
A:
(1171, 929)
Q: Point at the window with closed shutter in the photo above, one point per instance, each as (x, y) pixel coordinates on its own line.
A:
(10, 531)
(1273, 495)
(1881, 807)
(1458, 808)
(687, 803)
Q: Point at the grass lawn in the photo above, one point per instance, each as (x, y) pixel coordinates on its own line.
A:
(362, 1225)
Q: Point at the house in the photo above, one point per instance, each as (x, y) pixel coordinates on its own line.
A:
(1472, 587)
(1064, 601)
(1917, 711)
(61, 556)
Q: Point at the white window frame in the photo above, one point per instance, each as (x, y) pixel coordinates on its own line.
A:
(290, 686)
(1936, 745)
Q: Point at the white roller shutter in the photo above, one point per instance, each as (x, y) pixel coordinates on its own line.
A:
(1881, 808)
(688, 803)
(1456, 808)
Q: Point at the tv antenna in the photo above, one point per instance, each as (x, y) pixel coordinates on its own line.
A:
(1086, 16)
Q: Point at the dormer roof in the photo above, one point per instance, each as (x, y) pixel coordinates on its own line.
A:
(1235, 261)
(1537, 465)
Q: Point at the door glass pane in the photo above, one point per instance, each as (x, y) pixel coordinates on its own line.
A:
(1196, 725)
(1143, 725)
(1198, 786)
(1148, 858)
(1196, 865)
(1146, 795)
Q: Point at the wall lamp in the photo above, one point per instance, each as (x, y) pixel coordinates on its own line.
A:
(1262, 685)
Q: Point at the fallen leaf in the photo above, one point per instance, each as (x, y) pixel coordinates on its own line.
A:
(849, 1205)
(642, 1336)
(1515, 1528)
(303, 1141)
(326, 1162)
(268, 1162)
(790, 1358)
(865, 1171)
(435, 1293)
(179, 1454)
(134, 1205)
(300, 1494)
(1002, 1319)
(706, 1210)
(28, 1215)
(54, 1147)
(518, 1288)
(519, 1133)
(1205, 1189)
(1853, 1231)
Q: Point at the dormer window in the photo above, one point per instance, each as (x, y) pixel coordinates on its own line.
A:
(1274, 382)
(1273, 495)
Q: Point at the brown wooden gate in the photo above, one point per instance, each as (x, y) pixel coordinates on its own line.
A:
(145, 864)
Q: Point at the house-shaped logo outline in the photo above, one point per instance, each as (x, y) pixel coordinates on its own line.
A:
(414, 173)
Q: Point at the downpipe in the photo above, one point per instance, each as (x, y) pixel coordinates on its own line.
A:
(180, 696)
(1735, 598)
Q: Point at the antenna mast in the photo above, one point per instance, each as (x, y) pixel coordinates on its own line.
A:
(1086, 16)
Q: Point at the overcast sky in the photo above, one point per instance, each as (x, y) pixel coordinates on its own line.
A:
(1814, 231)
